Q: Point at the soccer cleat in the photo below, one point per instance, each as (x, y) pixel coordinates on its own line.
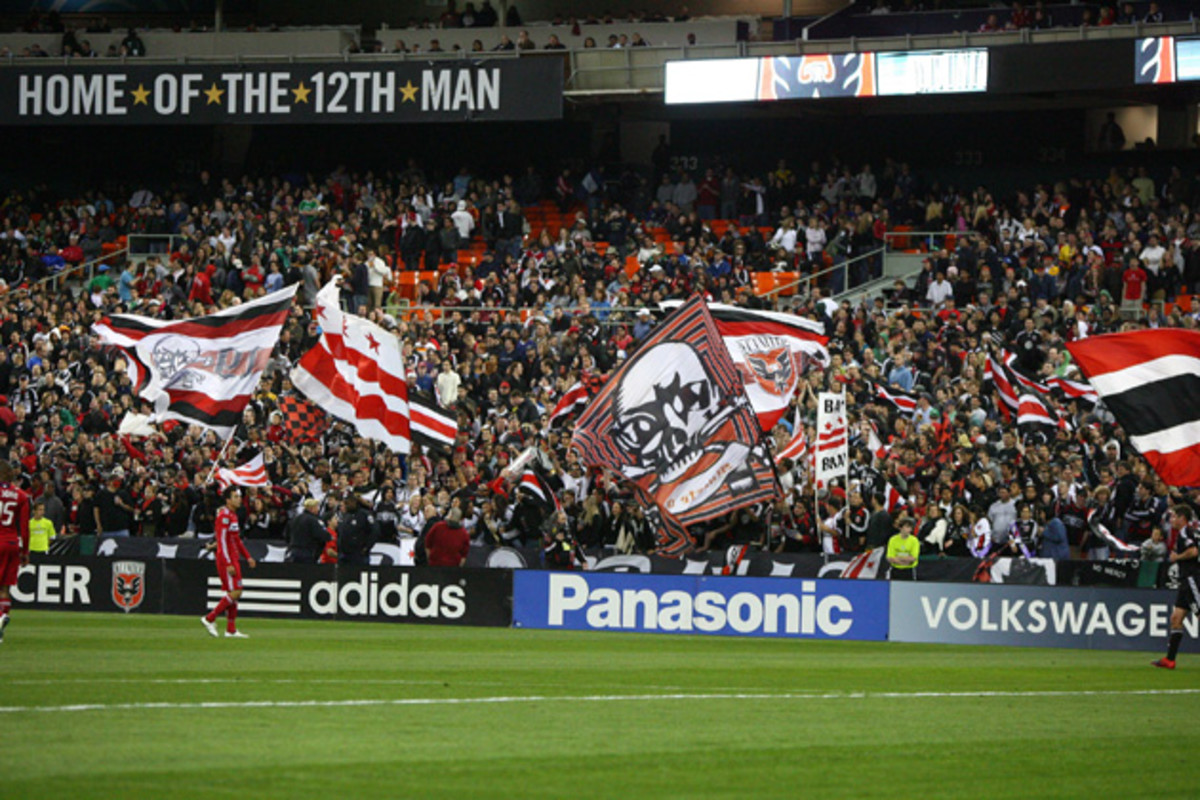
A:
(209, 626)
(235, 635)
(3, 625)
(1165, 663)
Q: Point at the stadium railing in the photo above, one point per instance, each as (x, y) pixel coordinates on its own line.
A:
(85, 271)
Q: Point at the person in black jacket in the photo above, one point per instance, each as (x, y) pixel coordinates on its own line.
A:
(307, 536)
(356, 531)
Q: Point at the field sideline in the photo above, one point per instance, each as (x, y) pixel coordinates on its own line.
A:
(99, 705)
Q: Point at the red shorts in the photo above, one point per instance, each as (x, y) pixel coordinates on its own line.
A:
(10, 563)
(230, 583)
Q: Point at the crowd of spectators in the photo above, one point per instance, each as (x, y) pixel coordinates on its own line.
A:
(499, 341)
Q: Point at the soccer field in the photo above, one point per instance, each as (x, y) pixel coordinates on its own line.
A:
(97, 705)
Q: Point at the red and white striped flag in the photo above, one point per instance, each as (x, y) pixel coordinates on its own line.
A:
(1150, 380)
(573, 400)
(893, 499)
(431, 428)
(356, 373)
(901, 400)
(1010, 361)
(201, 370)
(252, 473)
(796, 449)
(1074, 389)
(998, 373)
(1032, 411)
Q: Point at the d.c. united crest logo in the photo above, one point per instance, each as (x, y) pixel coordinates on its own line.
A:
(128, 584)
(770, 364)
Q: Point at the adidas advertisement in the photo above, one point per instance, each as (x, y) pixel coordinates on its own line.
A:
(375, 594)
(777, 607)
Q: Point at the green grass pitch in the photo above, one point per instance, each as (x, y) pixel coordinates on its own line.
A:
(152, 707)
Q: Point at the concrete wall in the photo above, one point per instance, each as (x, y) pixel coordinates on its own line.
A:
(327, 41)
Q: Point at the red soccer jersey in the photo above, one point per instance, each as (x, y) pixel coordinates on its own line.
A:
(14, 517)
(230, 549)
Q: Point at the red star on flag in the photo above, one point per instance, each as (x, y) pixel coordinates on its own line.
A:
(374, 345)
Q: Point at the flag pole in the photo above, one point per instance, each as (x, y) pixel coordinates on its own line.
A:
(220, 455)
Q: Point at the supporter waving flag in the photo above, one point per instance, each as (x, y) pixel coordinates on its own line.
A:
(1074, 389)
(675, 421)
(1150, 380)
(252, 473)
(573, 400)
(771, 351)
(1002, 381)
(201, 370)
(897, 398)
(356, 373)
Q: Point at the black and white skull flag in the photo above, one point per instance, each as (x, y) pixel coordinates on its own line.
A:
(201, 370)
(675, 421)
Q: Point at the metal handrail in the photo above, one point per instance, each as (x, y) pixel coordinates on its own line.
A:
(810, 278)
(67, 273)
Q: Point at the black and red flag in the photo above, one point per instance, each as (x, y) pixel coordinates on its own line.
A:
(303, 422)
(1150, 380)
(675, 421)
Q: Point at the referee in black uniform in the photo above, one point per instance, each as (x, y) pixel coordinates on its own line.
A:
(1184, 553)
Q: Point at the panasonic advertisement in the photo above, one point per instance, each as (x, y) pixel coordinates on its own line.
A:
(1035, 616)
(772, 607)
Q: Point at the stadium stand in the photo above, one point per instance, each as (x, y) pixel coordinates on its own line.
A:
(500, 324)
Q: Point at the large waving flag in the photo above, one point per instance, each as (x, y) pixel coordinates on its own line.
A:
(1150, 381)
(771, 351)
(202, 370)
(674, 420)
(356, 373)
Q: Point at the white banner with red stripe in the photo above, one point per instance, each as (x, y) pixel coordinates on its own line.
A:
(832, 433)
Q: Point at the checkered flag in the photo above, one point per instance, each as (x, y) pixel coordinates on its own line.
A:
(302, 421)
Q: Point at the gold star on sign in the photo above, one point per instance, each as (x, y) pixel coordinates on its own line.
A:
(140, 94)
(410, 93)
(301, 93)
(213, 94)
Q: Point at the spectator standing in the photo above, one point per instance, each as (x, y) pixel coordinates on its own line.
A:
(447, 543)
(903, 552)
(307, 535)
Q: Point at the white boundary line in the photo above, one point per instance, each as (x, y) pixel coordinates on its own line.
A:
(610, 698)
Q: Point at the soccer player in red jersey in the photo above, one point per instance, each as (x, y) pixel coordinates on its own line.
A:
(14, 538)
(230, 551)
